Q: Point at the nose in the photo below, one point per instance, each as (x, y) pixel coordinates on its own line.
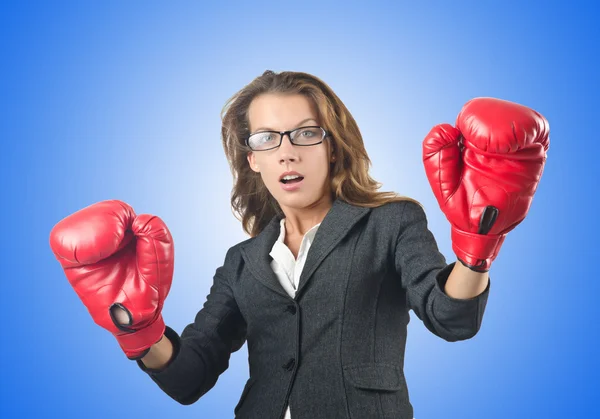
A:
(287, 151)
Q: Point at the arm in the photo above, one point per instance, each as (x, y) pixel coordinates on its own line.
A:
(425, 274)
(186, 367)
(464, 283)
(159, 355)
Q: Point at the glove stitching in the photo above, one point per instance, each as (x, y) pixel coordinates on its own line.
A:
(462, 172)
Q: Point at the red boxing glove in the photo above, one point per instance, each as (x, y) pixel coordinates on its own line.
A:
(485, 172)
(117, 260)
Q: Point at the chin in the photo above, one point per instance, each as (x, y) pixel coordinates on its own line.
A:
(295, 201)
(301, 200)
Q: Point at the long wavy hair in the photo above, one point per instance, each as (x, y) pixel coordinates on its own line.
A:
(251, 201)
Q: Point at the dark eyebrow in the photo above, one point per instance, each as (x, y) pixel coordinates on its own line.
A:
(299, 124)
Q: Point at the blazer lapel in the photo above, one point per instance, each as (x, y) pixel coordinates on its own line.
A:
(257, 258)
(336, 224)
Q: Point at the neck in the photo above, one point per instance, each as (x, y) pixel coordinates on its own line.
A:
(299, 220)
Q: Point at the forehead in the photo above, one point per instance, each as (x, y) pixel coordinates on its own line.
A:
(280, 111)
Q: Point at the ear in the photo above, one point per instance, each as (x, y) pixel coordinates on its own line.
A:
(252, 161)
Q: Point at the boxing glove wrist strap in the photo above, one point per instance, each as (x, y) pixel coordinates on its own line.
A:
(476, 251)
(136, 344)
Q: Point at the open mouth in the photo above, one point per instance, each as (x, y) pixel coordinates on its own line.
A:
(288, 181)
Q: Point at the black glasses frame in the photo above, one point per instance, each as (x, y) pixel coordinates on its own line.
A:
(289, 134)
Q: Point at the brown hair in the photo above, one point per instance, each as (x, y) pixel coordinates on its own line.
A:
(350, 180)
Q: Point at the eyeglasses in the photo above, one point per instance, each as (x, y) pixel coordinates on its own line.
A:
(303, 136)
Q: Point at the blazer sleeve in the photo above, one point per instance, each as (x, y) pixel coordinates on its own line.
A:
(424, 272)
(202, 352)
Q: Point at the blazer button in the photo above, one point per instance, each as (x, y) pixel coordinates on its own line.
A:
(289, 365)
(291, 308)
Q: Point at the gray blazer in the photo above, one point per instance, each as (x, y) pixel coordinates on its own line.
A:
(336, 350)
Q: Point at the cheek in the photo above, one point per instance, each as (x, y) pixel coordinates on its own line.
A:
(269, 177)
(323, 165)
(320, 173)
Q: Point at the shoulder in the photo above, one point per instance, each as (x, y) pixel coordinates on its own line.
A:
(234, 252)
(400, 212)
(233, 260)
(398, 219)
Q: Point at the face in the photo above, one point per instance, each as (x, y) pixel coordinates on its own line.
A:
(276, 112)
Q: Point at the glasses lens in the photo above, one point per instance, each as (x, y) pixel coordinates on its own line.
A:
(263, 140)
(307, 136)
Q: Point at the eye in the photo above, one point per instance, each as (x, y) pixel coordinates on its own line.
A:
(308, 132)
(262, 138)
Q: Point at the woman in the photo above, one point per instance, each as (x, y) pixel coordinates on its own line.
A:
(321, 292)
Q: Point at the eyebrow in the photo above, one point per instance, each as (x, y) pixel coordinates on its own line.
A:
(297, 125)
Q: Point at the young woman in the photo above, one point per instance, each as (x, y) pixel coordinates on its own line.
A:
(321, 291)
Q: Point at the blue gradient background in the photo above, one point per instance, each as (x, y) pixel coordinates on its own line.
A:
(108, 99)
